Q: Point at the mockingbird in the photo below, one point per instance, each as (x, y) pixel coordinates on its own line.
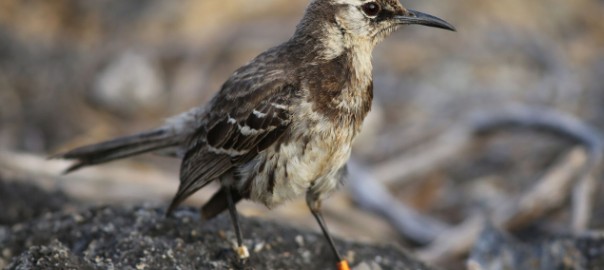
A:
(282, 125)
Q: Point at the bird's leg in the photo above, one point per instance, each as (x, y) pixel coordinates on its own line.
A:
(241, 249)
(314, 204)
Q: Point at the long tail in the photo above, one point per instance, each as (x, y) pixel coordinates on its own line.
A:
(119, 148)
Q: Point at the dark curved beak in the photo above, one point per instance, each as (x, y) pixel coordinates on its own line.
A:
(416, 17)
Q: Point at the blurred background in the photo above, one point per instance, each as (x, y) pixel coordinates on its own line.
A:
(75, 72)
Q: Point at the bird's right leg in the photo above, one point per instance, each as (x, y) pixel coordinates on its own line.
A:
(314, 204)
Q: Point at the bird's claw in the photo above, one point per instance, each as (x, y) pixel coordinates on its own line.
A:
(343, 265)
(242, 252)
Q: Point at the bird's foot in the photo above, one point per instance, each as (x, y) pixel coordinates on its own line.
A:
(343, 265)
(242, 252)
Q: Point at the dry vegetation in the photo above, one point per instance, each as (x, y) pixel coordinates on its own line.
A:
(75, 72)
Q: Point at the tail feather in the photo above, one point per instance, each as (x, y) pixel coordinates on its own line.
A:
(118, 148)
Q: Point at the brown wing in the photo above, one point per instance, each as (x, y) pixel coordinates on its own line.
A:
(233, 138)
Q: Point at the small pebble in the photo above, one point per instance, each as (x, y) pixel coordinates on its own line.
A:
(306, 255)
(367, 266)
(78, 218)
(300, 240)
(7, 253)
(472, 265)
(258, 247)
(350, 256)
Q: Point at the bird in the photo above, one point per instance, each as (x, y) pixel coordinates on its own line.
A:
(282, 125)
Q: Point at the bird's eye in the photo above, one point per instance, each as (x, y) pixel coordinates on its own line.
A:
(371, 9)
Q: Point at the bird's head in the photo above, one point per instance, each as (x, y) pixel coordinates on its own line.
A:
(376, 19)
(362, 21)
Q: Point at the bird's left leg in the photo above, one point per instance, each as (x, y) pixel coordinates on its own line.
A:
(314, 204)
(241, 249)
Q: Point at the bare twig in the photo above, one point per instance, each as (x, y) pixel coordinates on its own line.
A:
(418, 161)
(370, 195)
(550, 121)
(549, 193)
(400, 170)
(454, 242)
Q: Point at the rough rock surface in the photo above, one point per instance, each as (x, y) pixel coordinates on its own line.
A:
(140, 237)
(20, 202)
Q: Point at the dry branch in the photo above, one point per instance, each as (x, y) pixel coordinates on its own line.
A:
(370, 195)
(583, 197)
(111, 183)
(400, 170)
(549, 193)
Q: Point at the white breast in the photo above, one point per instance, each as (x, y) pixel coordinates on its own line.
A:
(300, 163)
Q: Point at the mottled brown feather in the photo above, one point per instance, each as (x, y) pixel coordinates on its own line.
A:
(229, 146)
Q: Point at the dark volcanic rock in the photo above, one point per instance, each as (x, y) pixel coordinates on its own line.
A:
(142, 238)
(53, 256)
(20, 202)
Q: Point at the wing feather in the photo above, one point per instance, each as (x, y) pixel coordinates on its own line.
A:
(232, 138)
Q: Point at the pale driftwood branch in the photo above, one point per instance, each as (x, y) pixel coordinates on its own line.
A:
(583, 197)
(455, 242)
(550, 121)
(401, 170)
(369, 194)
(564, 126)
(110, 183)
(549, 193)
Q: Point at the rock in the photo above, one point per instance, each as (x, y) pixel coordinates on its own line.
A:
(20, 202)
(141, 237)
(53, 256)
